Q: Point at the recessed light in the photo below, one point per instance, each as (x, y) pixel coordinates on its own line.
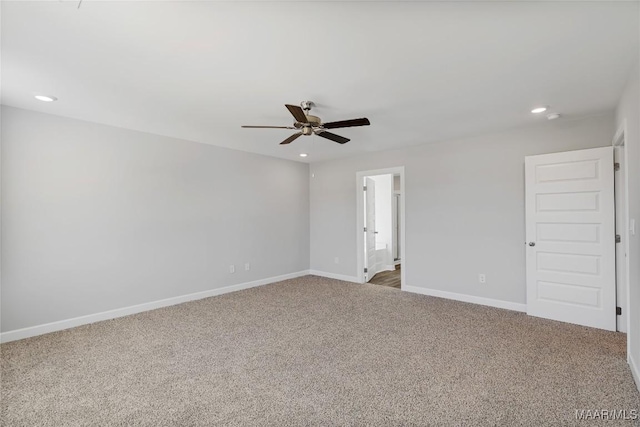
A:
(553, 116)
(46, 98)
(303, 154)
(539, 110)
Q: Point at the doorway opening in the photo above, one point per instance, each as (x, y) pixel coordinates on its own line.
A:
(380, 227)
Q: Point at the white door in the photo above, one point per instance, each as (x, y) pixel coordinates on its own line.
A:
(396, 227)
(370, 228)
(570, 237)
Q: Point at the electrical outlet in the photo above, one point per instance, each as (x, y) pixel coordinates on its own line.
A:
(336, 260)
(247, 266)
(482, 278)
(232, 269)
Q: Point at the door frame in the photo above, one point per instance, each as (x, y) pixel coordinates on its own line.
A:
(370, 253)
(619, 142)
(399, 170)
(397, 200)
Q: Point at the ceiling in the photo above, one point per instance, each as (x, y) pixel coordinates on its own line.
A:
(420, 71)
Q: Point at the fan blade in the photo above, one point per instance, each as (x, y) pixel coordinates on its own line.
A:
(347, 123)
(291, 138)
(297, 113)
(332, 136)
(268, 127)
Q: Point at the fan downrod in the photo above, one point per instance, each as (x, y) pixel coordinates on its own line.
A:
(312, 121)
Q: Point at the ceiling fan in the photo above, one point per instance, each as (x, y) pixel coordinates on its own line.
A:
(307, 124)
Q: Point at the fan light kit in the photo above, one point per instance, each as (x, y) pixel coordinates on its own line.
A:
(307, 125)
(539, 110)
(45, 98)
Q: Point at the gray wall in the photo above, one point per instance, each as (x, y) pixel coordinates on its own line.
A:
(97, 218)
(629, 112)
(464, 206)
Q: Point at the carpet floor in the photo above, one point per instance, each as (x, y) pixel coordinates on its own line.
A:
(317, 352)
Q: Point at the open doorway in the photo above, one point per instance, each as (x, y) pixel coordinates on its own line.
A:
(380, 227)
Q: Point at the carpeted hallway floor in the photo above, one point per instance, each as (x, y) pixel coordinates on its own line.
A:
(316, 351)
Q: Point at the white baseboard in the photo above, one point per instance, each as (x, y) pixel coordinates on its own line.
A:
(343, 277)
(467, 298)
(46, 328)
(389, 268)
(634, 369)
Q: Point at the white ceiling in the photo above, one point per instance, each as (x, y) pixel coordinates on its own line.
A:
(421, 72)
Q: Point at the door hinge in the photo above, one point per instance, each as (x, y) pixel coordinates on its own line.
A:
(618, 238)
(618, 311)
(365, 229)
(366, 270)
(364, 188)
(616, 166)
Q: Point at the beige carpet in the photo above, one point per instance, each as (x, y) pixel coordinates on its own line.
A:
(321, 352)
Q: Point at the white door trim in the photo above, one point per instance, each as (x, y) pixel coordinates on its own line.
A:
(360, 220)
(371, 249)
(619, 141)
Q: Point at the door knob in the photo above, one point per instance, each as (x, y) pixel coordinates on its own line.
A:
(532, 243)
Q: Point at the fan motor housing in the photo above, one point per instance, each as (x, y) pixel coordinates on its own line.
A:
(307, 128)
(314, 120)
